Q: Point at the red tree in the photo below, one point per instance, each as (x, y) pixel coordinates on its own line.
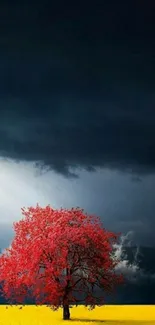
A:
(54, 255)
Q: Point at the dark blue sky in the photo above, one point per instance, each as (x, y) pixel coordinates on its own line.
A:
(77, 102)
(77, 97)
(77, 84)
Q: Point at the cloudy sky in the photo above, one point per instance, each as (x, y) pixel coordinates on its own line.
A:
(77, 111)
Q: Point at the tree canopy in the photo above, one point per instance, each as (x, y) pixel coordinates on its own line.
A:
(56, 254)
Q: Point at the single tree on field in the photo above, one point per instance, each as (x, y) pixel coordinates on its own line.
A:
(56, 254)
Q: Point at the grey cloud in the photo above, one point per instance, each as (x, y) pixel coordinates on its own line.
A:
(80, 133)
(122, 205)
(6, 235)
(78, 95)
(137, 264)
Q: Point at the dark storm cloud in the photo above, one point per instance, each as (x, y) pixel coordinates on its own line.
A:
(77, 85)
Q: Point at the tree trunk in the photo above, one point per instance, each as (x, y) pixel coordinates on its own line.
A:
(66, 312)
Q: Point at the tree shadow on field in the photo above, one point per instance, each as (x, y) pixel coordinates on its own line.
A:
(114, 322)
(98, 321)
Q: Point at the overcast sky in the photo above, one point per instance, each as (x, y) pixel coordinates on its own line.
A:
(77, 111)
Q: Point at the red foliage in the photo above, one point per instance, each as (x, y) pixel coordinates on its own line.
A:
(56, 253)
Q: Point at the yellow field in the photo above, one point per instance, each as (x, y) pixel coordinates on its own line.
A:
(107, 315)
